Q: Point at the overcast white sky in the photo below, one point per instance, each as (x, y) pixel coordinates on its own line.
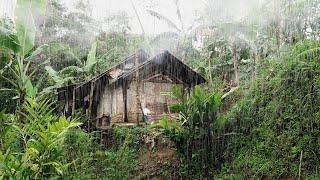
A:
(189, 9)
(7, 7)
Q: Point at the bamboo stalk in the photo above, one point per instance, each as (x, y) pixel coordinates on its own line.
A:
(300, 164)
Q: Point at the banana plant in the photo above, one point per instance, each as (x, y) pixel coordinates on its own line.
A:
(198, 116)
(21, 42)
(179, 33)
(199, 106)
(84, 69)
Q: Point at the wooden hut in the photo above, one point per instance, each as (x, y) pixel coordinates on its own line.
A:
(120, 94)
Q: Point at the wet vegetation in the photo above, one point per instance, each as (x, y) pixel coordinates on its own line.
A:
(257, 117)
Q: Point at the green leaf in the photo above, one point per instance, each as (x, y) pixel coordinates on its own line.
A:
(9, 41)
(53, 74)
(26, 28)
(36, 52)
(176, 107)
(30, 89)
(38, 6)
(71, 69)
(91, 59)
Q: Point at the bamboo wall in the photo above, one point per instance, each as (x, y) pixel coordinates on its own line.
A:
(150, 95)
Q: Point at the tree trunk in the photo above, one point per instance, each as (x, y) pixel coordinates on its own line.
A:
(210, 71)
(235, 66)
(253, 64)
(138, 104)
(278, 38)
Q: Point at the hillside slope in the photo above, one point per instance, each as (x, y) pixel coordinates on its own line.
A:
(277, 123)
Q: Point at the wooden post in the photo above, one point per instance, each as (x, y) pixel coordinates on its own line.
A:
(137, 89)
(90, 104)
(125, 101)
(73, 101)
(66, 107)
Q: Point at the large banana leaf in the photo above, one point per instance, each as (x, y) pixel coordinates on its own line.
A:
(25, 25)
(38, 6)
(9, 41)
(26, 29)
(59, 81)
(91, 59)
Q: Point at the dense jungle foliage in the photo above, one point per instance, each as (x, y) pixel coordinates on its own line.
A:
(257, 117)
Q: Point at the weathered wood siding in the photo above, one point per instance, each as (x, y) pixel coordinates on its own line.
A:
(151, 97)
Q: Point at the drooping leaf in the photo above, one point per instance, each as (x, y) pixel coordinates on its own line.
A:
(36, 52)
(165, 19)
(53, 74)
(71, 69)
(91, 59)
(9, 41)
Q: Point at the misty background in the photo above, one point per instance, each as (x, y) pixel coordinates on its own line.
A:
(184, 27)
(191, 11)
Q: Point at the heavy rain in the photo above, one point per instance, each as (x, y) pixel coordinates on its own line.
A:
(151, 89)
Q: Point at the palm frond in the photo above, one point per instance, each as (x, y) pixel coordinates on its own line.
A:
(179, 14)
(137, 15)
(164, 19)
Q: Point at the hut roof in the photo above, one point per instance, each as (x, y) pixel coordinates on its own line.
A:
(82, 90)
(163, 63)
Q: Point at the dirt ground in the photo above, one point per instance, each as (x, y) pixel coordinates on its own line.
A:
(157, 160)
